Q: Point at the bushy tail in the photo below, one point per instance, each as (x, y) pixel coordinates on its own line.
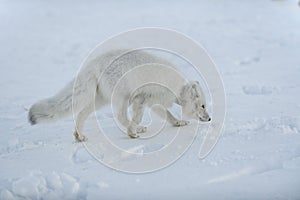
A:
(62, 104)
(53, 108)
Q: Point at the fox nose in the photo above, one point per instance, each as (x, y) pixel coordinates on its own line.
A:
(209, 119)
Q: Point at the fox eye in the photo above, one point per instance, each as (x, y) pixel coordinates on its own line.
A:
(203, 106)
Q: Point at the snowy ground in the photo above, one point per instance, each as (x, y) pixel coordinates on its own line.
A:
(256, 47)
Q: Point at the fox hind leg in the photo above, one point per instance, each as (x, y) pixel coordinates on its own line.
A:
(80, 119)
(84, 114)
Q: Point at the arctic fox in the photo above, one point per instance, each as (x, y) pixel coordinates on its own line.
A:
(92, 93)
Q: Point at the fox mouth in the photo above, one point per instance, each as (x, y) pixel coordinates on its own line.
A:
(205, 119)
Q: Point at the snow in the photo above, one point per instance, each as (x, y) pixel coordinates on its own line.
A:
(256, 47)
(37, 185)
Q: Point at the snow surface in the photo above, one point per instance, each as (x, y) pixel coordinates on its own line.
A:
(256, 47)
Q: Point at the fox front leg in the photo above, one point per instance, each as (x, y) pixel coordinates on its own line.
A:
(138, 106)
(165, 113)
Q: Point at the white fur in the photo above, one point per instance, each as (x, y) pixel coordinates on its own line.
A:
(91, 92)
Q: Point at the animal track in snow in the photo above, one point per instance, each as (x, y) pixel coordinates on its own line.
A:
(248, 60)
(260, 90)
(37, 185)
(81, 155)
(285, 125)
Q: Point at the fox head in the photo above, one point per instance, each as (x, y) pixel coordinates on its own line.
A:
(193, 102)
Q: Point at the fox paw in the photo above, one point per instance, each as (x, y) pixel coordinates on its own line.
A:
(133, 135)
(181, 123)
(79, 137)
(141, 129)
(133, 131)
